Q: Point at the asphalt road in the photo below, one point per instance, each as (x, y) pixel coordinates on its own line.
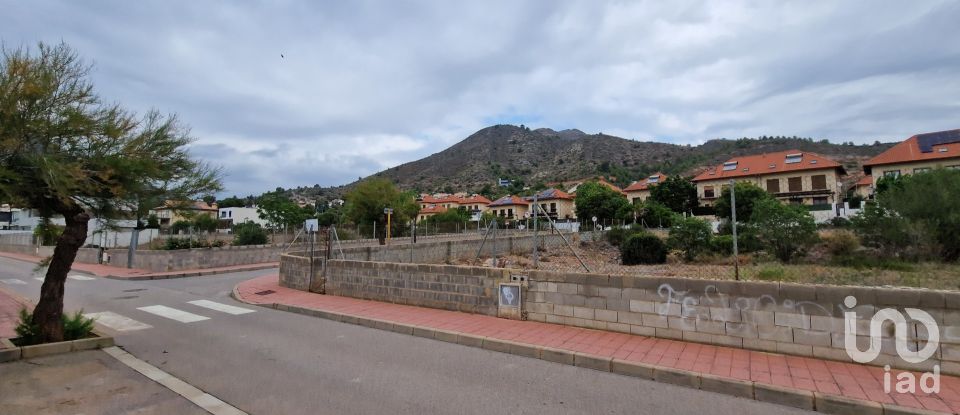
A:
(273, 362)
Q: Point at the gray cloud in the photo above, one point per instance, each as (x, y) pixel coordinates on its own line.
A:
(367, 85)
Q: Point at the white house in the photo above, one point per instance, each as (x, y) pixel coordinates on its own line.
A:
(233, 215)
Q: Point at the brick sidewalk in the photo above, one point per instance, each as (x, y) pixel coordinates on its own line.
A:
(108, 271)
(10, 305)
(849, 380)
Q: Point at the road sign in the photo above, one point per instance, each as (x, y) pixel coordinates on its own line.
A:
(311, 225)
(387, 211)
(594, 219)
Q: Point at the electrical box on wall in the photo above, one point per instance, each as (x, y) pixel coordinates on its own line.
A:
(518, 278)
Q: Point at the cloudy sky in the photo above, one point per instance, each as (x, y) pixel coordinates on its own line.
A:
(364, 86)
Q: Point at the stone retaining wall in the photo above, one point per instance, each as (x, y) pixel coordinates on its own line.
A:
(797, 319)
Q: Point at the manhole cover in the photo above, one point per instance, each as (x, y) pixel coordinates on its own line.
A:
(264, 292)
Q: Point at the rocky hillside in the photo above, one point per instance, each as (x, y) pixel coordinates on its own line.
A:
(545, 156)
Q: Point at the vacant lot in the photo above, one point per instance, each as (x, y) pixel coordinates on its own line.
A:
(601, 257)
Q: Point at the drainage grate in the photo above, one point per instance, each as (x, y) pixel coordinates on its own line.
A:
(264, 292)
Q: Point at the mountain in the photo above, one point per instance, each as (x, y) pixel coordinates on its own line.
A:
(548, 156)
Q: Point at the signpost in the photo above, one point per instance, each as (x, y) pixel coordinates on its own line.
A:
(388, 212)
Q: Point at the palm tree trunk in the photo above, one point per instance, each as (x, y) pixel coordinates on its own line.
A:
(48, 313)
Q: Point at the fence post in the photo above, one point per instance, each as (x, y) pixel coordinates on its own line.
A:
(536, 250)
(733, 225)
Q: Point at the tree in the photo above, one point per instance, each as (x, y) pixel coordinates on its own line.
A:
(595, 199)
(653, 214)
(930, 201)
(279, 211)
(64, 152)
(366, 202)
(748, 194)
(677, 193)
(690, 235)
(204, 223)
(232, 201)
(783, 229)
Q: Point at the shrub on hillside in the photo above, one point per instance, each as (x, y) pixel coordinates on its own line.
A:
(643, 248)
(249, 233)
(690, 235)
(841, 242)
(722, 244)
(783, 229)
(617, 235)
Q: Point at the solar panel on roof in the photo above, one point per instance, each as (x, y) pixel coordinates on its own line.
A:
(927, 141)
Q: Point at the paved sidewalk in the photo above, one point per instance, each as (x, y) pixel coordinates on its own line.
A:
(853, 381)
(10, 305)
(108, 271)
(88, 382)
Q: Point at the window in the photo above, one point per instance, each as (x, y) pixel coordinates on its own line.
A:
(819, 182)
(653, 179)
(793, 158)
(637, 200)
(773, 185)
(730, 165)
(708, 192)
(820, 201)
(509, 213)
(797, 201)
(920, 169)
(553, 208)
(893, 174)
(795, 184)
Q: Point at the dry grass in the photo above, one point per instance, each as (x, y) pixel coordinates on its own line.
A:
(605, 259)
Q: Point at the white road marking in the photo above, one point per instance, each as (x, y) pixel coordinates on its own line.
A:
(173, 313)
(39, 278)
(204, 400)
(117, 322)
(80, 278)
(229, 309)
(13, 281)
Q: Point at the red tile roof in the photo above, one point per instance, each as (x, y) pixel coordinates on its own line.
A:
(433, 209)
(475, 199)
(509, 201)
(865, 181)
(768, 163)
(909, 150)
(645, 183)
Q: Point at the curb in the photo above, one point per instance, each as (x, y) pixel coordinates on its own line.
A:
(185, 274)
(47, 349)
(812, 401)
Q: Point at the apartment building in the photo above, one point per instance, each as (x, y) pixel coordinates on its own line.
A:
(792, 176)
(919, 153)
(557, 204)
(510, 207)
(639, 191)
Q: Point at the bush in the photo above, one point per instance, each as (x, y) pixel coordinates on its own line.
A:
(27, 332)
(783, 229)
(929, 201)
(691, 236)
(747, 240)
(180, 226)
(48, 232)
(75, 327)
(249, 233)
(770, 273)
(841, 242)
(722, 244)
(617, 235)
(172, 244)
(839, 222)
(643, 248)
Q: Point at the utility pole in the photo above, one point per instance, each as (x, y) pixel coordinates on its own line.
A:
(733, 224)
(536, 248)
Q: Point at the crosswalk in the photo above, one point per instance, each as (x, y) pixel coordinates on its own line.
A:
(17, 281)
(123, 323)
(193, 311)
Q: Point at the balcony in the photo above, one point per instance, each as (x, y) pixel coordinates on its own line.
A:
(815, 192)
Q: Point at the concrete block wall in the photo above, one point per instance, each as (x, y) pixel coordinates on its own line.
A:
(797, 319)
(448, 287)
